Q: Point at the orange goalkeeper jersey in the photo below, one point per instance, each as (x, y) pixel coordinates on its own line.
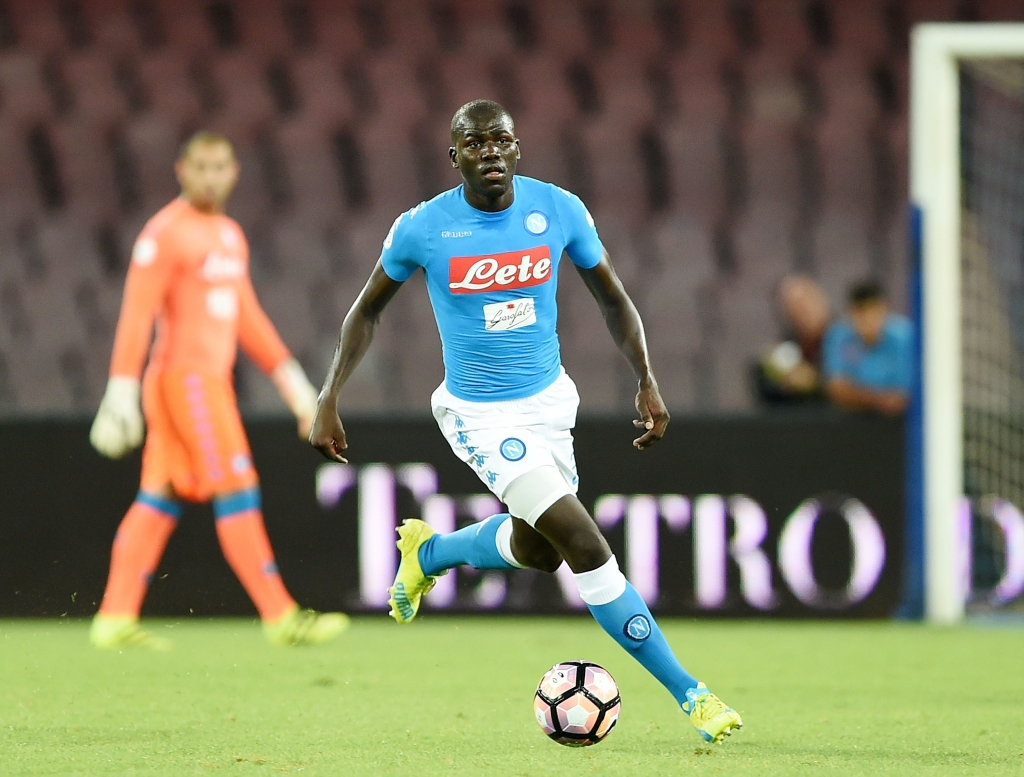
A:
(189, 274)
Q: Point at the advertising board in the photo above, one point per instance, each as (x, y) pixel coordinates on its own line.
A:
(796, 515)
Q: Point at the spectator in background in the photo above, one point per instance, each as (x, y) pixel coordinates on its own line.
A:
(868, 359)
(791, 372)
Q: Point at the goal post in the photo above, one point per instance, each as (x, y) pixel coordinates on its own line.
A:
(936, 172)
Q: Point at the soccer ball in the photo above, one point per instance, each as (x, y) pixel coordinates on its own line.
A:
(577, 703)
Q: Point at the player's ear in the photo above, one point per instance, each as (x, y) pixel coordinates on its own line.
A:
(453, 155)
(519, 152)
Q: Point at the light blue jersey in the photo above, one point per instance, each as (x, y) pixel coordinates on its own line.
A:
(884, 366)
(492, 279)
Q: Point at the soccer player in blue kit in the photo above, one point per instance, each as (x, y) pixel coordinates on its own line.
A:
(490, 249)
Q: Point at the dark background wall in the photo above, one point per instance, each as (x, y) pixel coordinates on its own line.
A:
(60, 504)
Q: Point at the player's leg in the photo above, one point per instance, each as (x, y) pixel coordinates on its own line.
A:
(489, 544)
(246, 547)
(623, 614)
(206, 415)
(138, 546)
(141, 537)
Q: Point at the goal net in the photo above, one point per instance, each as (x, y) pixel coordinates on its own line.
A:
(992, 326)
(967, 184)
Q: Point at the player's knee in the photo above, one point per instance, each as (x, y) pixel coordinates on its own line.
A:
(544, 558)
(587, 550)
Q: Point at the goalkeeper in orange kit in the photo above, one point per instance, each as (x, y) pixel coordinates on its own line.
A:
(189, 274)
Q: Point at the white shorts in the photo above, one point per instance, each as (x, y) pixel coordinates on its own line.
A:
(505, 439)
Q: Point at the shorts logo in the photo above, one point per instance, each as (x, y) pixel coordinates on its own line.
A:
(240, 463)
(499, 272)
(512, 449)
(637, 628)
(536, 223)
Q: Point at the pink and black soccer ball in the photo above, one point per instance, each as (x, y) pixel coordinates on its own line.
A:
(577, 703)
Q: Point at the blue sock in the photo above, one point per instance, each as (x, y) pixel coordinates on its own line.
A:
(475, 545)
(629, 622)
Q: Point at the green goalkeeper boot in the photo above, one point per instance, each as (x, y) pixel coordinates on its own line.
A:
(117, 633)
(305, 627)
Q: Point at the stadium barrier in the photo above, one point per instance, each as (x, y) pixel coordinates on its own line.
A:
(796, 514)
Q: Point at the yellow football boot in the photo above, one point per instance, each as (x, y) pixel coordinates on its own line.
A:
(305, 627)
(713, 720)
(411, 585)
(117, 633)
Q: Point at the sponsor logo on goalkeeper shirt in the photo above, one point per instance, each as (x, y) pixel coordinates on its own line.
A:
(219, 267)
(498, 272)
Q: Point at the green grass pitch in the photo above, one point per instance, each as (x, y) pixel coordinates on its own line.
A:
(453, 696)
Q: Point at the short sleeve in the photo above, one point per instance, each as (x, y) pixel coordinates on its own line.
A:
(582, 243)
(400, 256)
(831, 352)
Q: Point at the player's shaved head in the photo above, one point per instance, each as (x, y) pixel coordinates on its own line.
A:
(477, 114)
(204, 138)
(485, 150)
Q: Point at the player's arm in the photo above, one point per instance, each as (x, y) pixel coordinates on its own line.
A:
(850, 396)
(118, 427)
(627, 330)
(261, 342)
(357, 330)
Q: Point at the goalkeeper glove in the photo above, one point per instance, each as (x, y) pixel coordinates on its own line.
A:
(118, 427)
(297, 392)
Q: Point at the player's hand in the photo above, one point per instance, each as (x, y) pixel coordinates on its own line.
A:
(327, 434)
(118, 427)
(654, 415)
(297, 392)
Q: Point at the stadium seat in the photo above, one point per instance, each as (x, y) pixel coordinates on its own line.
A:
(38, 28)
(782, 26)
(917, 11)
(83, 155)
(546, 95)
(772, 162)
(323, 98)
(748, 327)
(776, 140)
(615, 149)
(1000, 11)
(187, 27)
(846, 90)
(847, 167)
(154, 141)
(19, 191)
(842, 255)
(859, 28)
(764, 243)
(708, 28)
(306, 153)
(25, 100)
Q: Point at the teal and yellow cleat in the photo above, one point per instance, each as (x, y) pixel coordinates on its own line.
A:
(713, 720)
(411, 585)
(117, 633)
(304, 627)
